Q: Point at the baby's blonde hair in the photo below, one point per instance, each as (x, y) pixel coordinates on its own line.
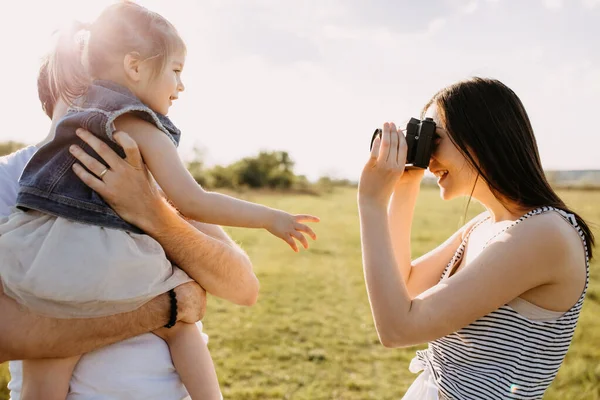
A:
(87, 51)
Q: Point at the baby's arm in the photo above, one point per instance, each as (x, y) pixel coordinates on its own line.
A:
(162, 159)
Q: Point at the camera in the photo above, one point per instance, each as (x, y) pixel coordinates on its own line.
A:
(420, 136)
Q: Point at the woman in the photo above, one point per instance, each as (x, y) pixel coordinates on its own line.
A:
(499, 300)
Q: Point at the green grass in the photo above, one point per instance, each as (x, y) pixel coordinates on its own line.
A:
(311, 335)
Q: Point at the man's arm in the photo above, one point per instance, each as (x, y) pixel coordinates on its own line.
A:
(25, 335)
(206, 254)
(209, 256)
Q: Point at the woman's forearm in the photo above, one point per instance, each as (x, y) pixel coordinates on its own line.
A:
(388, 296)
(400, 216)
(218, 265)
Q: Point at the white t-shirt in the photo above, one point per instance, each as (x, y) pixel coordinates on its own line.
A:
(136, 368)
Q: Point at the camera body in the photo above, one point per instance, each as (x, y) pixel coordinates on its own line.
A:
(419, 138)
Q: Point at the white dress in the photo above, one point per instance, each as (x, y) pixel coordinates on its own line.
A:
(65, 269)
(424, 387)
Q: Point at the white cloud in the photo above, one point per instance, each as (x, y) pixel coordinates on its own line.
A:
(340, 32)
(471, 7)
(435, 26)
(590, 3)
(553, 4)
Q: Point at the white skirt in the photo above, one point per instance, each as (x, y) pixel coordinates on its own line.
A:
(65, 269)
(424, 387)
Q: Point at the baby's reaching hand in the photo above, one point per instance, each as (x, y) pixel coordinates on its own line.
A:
(287, 227)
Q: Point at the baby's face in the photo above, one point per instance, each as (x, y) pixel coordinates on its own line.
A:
(159, 91)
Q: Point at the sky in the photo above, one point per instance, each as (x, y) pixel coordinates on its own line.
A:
(316, 77)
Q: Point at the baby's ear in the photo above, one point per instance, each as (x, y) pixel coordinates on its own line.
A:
(132, 63)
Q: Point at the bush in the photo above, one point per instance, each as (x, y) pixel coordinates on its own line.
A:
(223, 177)
(10, 147)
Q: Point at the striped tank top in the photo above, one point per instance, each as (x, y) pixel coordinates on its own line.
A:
(503, 355)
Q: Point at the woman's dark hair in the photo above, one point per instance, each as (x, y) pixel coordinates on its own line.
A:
(489, 125)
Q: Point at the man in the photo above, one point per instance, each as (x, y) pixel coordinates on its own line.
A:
(129, 366)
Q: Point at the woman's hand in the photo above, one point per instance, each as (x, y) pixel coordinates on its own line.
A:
(410, 178)
(384, 168)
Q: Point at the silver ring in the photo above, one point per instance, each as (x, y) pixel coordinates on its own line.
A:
(103, 173)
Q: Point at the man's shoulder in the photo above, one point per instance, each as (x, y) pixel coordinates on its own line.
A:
(14, 163)
(11, 167)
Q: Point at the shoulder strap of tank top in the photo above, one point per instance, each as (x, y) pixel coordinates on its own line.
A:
(461, 249)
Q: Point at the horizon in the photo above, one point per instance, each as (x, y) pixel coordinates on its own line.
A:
(317, 83)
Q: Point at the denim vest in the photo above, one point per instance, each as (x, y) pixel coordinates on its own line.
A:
(48, 183)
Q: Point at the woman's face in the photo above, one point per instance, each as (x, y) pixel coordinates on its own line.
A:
(455, 176)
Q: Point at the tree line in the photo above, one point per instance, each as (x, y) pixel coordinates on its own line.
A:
(272, 170)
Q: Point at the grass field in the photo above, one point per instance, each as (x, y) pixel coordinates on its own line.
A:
(311, 336)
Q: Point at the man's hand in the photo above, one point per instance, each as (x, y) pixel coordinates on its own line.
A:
(191, 302)
(206, 254)
(126, 186)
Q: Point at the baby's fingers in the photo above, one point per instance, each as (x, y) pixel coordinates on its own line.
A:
(306, 218)
(306, 229)
(300, 238)
(290, 240)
